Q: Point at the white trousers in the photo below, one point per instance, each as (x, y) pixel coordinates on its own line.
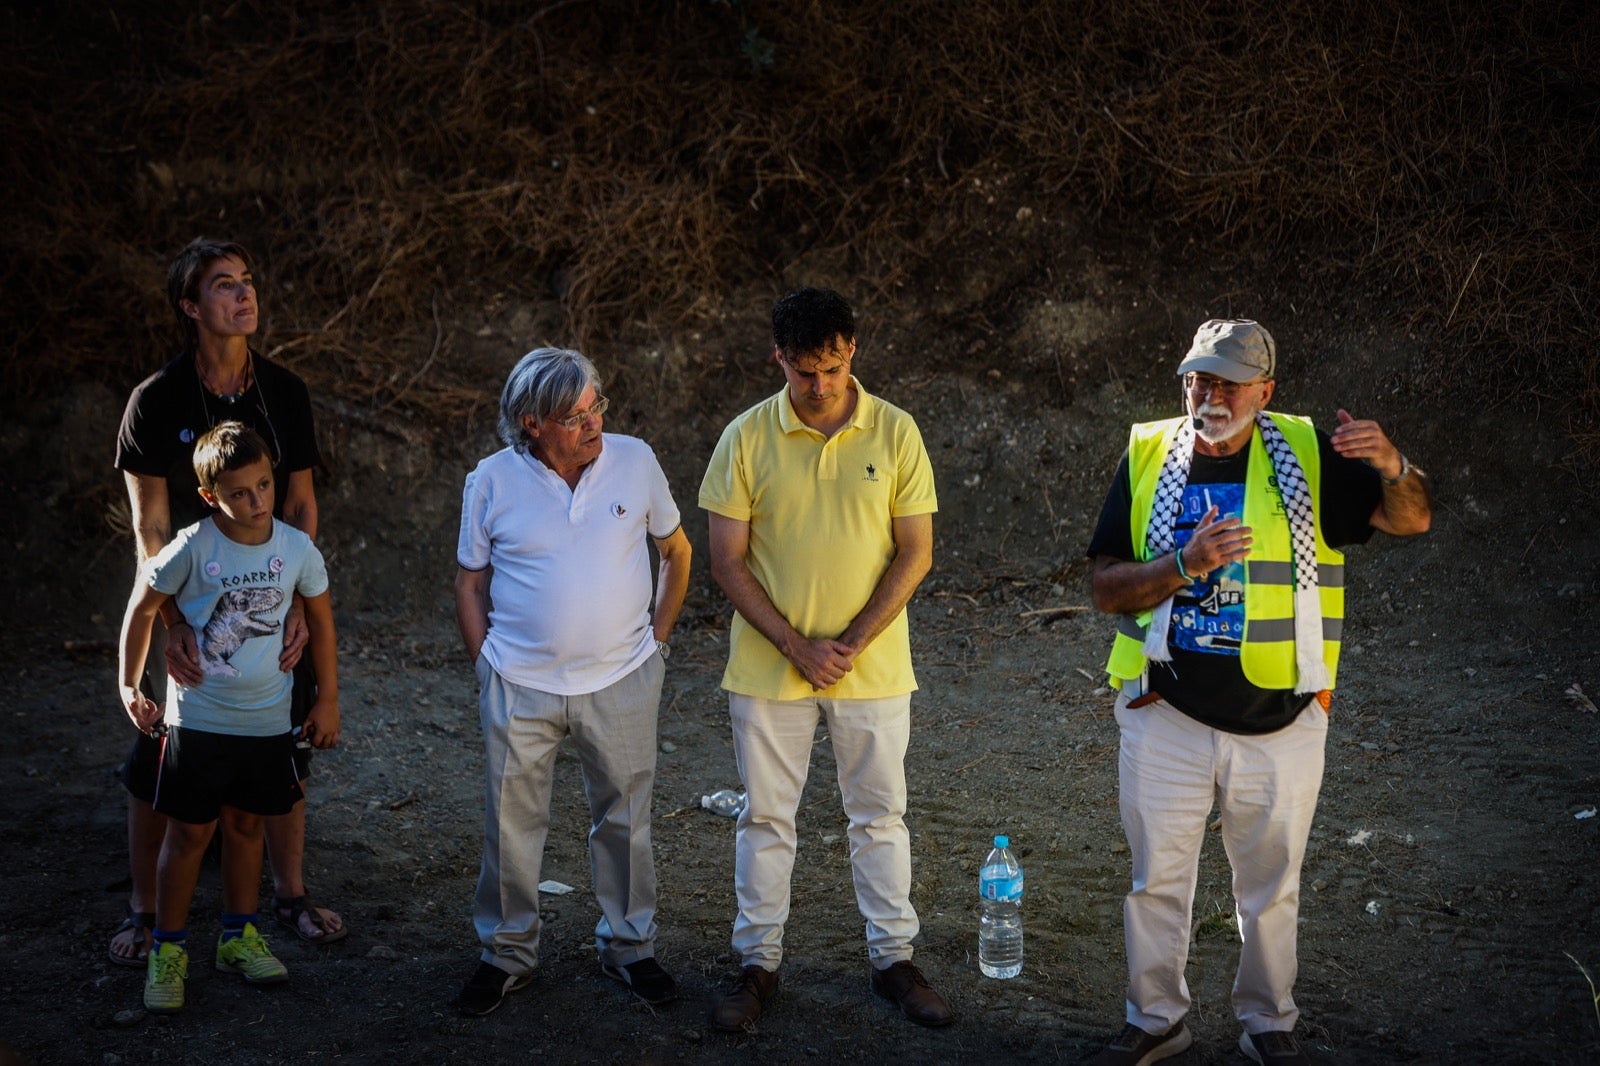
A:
(615, 733)
(772, 743)
(1170, 769)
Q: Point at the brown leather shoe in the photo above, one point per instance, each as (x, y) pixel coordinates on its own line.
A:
(903, 985)
(739, 1009)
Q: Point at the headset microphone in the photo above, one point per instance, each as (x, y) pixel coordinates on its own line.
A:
(1199, 423)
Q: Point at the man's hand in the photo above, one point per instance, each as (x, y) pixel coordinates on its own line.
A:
(321, 728)
(821, 662)
(1364, 439)
(1407, 507)
(143, 711)
(183, 655)
(295, 636)
(1216, 542)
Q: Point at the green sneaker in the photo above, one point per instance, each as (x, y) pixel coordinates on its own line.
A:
(249, 957)
(164, 974)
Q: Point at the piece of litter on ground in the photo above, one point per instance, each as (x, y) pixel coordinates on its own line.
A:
(1359, 837)
(554, 888)
(1581, 699)
(1587, 812)
(1372, 906)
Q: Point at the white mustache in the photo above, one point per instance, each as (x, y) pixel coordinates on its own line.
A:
(1213, 410)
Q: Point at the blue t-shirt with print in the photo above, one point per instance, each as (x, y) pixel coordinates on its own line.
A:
(236, 597)
(1208, 616)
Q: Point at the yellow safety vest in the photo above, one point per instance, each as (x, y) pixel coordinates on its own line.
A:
(1267, 654)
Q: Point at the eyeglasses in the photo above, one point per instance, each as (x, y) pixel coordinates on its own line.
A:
(1203, 384)
(577, 418)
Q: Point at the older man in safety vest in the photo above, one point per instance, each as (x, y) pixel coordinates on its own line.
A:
(1218, 548)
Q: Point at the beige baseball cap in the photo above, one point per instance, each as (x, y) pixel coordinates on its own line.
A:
(1233, 348)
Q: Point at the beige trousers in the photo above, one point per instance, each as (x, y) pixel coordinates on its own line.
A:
(772, 744)
(1171, 769)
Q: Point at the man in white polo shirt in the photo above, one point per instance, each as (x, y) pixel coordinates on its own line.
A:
(821, 504)
(553, 596)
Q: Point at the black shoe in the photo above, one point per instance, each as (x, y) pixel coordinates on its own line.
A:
(1274, 1048)
(1135, 1047)
(487, 988)
(645, 979)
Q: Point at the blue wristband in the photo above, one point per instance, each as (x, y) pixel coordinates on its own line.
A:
(1177, 557)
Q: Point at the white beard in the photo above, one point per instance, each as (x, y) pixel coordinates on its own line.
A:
(1215, 432)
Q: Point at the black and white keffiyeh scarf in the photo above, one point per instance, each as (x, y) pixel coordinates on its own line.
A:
(1311, 671)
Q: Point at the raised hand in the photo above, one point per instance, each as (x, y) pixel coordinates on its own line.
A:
(1364, 439)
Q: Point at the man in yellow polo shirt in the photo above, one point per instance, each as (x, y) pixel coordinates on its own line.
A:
(821, 504)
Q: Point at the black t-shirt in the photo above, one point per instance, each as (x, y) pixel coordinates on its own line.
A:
(1205, 680)
(171, 408)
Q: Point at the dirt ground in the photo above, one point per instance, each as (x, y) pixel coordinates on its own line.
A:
(1451, 898)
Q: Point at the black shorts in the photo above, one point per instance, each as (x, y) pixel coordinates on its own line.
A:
(139, 770)
(201, 773)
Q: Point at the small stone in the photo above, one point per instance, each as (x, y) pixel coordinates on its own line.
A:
(668, 747)
(128, 1018)
(382, 951)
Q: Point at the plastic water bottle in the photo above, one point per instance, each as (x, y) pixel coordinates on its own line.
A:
(1000, 924)
(725, 802)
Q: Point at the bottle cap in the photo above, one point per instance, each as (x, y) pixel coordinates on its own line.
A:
(1002, 842)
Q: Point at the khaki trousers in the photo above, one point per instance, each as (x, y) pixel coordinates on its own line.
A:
(772, 744)
(615, 733)
(1171, 768)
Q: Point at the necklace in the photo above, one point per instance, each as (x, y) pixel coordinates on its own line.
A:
(263, 425)
(227, 398)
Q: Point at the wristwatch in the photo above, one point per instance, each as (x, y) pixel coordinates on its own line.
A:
(1405, 471)
(664, 648)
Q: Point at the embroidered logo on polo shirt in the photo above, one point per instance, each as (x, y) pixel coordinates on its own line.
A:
(618, 510)
(872, 473)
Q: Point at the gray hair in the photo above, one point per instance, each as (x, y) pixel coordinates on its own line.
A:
(544, 382)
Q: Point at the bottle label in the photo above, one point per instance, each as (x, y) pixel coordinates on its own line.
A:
(1000, 888)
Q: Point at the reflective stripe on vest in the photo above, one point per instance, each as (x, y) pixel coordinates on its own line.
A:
(1267, 652)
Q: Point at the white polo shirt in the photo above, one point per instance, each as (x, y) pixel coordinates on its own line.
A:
(570, 593)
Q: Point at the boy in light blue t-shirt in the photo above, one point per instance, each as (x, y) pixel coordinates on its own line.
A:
(228, 753)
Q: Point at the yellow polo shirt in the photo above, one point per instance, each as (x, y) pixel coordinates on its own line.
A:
(820, 535)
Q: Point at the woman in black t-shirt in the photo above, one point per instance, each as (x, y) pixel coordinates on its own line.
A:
(215, 377)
